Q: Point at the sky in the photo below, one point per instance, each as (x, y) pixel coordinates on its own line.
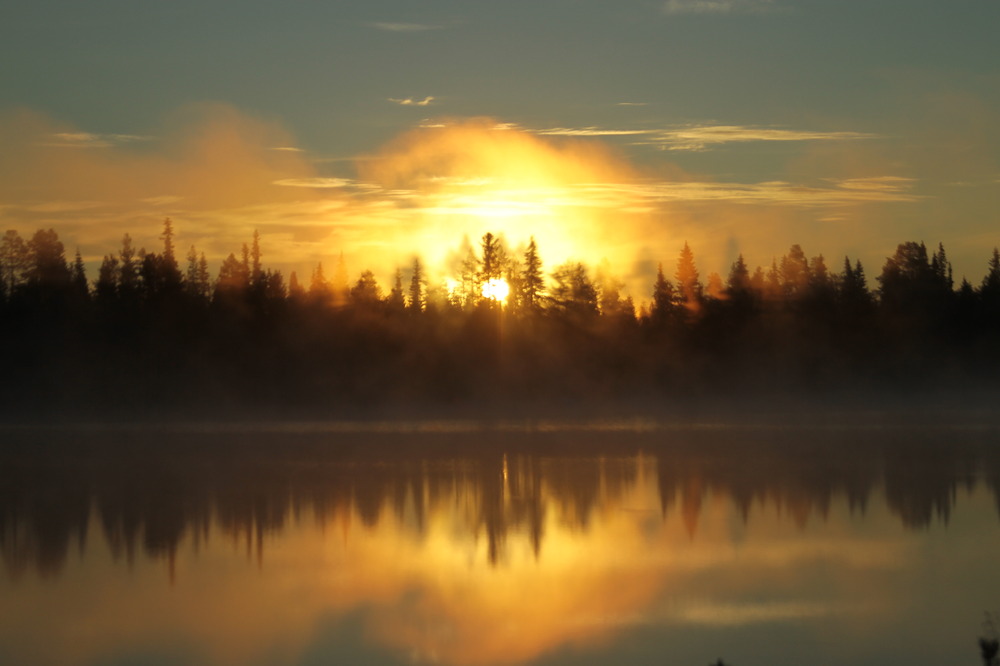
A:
(612, 132)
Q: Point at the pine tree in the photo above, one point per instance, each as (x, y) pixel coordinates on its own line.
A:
(853, 294)
(245, 261)
(714, 288)
(204, 279)
(740, 288)
(663, 296)
(772, 281)
(573, 292)
(13, 261)
(233, 276)
(942, 269)
(609, 290)
(417, 286)
(532, 281)
(396, 300)
(991, 281)
(191, 275)
(295, 290)
(739, 278)
(989, 290)
(794, 272)
(366, 291)
(106, 286)
(689, 289)
(494, 258)
(128, 272)
(47, 273)
(470, 284)
(168, 241)
(78, 277)
(256, 273)
(319, 288)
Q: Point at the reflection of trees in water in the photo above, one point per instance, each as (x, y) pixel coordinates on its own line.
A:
(149, 491)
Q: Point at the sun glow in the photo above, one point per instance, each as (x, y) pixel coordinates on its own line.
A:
(496, 289)
(468, 178)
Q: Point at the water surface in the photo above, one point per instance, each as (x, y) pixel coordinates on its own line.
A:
(463, 543)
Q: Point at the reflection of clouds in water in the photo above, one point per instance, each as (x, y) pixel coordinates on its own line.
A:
(750, 613)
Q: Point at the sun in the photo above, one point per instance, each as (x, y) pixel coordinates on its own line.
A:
(496, 289)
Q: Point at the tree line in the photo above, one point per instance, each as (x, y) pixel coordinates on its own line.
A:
(147, 333)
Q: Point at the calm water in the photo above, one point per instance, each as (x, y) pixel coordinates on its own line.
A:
(455, 544)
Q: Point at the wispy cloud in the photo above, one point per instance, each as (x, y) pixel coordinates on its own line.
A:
(649, 195)
(314, 182)
(404, 27)
(409, 101)
(91, 140)
(881, 189)
(59, 206)
(703, 137)
(589, 131)
(674, 7)
(162, 200)
(632, 104)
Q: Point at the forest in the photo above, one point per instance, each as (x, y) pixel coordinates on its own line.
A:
(152, 337)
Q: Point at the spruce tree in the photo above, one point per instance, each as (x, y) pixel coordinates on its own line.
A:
(689, 289)
(532, 281)
(417, 286)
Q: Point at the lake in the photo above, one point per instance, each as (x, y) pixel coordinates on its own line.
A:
(449, 542)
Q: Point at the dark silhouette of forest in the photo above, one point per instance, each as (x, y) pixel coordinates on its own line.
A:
(151, 490)
(153, 335)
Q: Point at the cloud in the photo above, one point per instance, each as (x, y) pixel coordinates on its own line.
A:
(404, 27)
(59, 206)
(673, 7)
(882, 189)
(313, 182)
(703, 137)
(632, 104)
(409, 101)
(588, 131)
(90, 140)
(205, 158)
(162, 200)
(738, 614)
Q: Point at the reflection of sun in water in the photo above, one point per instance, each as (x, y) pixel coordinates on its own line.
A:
(496, 289)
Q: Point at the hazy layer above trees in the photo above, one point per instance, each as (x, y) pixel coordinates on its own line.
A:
(147, 336)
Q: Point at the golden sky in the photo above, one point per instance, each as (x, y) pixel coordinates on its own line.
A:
(220, 174)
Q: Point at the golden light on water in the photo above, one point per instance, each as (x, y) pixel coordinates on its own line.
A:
(460, 577)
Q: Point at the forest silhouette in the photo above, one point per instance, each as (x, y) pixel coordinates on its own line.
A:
(148, 337)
